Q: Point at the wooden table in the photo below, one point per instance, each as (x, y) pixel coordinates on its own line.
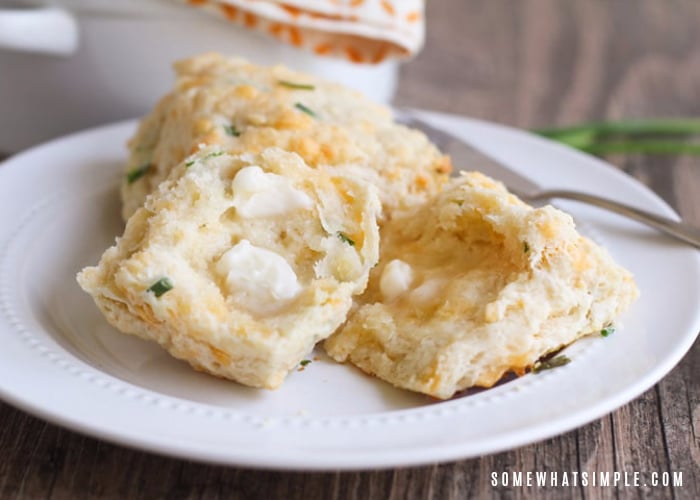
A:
(523, 63)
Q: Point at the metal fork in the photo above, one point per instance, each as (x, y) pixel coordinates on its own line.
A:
(527, 190)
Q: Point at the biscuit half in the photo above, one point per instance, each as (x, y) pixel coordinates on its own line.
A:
(240, 264)
(242, 108)
(475, 284)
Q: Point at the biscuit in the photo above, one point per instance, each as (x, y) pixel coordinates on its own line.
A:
(240, 264)
(246, 108)
(475, 284)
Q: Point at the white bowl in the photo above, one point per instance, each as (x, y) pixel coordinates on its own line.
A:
(119, 64)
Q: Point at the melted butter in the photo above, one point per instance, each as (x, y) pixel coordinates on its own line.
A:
(258, 278)
(262, 194)
(397, 277)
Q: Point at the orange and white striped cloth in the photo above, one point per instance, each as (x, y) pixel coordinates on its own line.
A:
(363, 31)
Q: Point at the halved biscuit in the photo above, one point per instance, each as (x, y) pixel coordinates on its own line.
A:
(239, 264)
(246, 108)
(475, 284)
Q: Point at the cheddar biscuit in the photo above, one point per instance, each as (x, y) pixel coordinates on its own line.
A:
(240, 264)
(475, 284)
(244, 108)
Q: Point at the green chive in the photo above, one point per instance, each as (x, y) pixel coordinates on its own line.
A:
(161, 286)
(548, 364)
(607, 331)
(294, 85)
(646, 146)
(136, 173)
(231, 130)
(213, 155)
(677, 126)
(304, 109)
(662, 137)
(304, 362)
(210, 155)
(345, 238)
(526, 247)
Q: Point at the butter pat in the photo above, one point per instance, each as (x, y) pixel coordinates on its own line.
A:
(428, 291)
(257, 277)
(261, 194)
(396, 279)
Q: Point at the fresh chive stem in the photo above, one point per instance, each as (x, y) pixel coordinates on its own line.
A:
(231, 130)
(161, 286)
(136, 173)
(345, 238)
(550, 363)
(648, 147)
(654, 136)
(607, 331)
(295, 85)
(666, 126)
(304, 109)
(213, 155)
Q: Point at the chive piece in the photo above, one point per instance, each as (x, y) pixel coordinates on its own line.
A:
(213, 155)
(345, 238)
(578, 139)
(188, 164)
(670, 126)
(662, 137)
(526, 247)
(643, 146)
(294, 85)
(136, 173)
(548, 364)
(161, 286)
(607, 331)
(231, 130)
(305, 362)
(304, 109)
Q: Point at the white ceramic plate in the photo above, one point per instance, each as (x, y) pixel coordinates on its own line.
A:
(60, 360)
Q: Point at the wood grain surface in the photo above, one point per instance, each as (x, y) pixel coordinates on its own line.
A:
(524, 63)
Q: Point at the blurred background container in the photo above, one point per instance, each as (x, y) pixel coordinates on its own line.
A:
(122, 61)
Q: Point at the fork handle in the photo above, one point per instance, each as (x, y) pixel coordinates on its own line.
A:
(679, 230)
